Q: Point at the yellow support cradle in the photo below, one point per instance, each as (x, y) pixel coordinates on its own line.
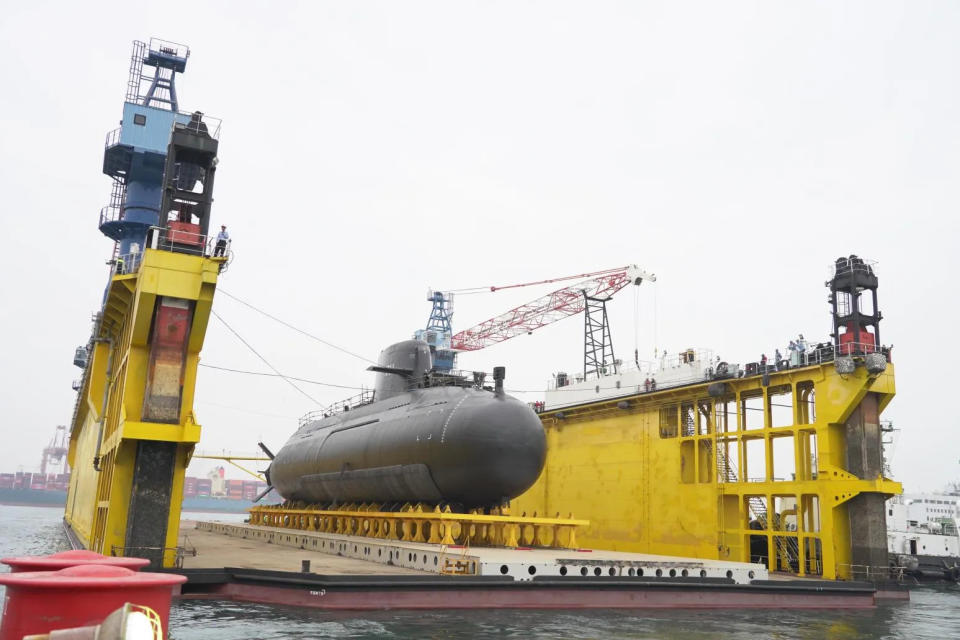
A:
(425, 524)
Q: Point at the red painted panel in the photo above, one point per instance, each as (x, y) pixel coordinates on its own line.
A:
(168, 347)
(184, 233)
(171, 326)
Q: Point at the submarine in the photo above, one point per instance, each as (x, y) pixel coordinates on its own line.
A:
(425, 436)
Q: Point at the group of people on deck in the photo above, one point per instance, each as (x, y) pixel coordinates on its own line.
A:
(796, 350)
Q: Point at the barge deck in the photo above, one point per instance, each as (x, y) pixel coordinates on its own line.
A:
(260, 564)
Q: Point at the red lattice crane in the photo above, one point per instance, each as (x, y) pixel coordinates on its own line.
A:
(562, 303)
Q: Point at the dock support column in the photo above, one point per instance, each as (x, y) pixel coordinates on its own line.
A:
(868, 524)
(149, 507)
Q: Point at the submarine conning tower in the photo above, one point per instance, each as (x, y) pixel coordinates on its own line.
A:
(400, 367)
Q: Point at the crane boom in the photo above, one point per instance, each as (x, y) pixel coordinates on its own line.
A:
(547, 309)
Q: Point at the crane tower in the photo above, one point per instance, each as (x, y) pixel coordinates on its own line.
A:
(589, 294)
(439, 330)
(55, 453)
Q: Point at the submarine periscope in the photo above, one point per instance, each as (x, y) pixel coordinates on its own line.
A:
(423, 437)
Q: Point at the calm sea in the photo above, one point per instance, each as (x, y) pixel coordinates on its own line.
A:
(933, 613)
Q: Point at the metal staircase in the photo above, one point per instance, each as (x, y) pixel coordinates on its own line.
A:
(788, 547)
(136, 71)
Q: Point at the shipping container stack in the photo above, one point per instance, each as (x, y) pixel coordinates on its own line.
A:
(252, 488)
(62, 481)
(23, 480)
(235, 489)
(189, 487)
(203, 487)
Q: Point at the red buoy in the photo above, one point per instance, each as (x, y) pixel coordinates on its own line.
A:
(41, 601)
(64, 559)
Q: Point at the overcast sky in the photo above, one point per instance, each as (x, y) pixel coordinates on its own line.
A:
(371, 150)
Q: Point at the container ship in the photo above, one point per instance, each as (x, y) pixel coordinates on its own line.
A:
(211, 494)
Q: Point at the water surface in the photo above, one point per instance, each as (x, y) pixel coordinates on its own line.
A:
(933, 613)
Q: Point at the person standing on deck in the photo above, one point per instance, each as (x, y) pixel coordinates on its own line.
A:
(222, 238)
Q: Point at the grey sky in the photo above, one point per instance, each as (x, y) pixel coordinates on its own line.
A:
(371, 150)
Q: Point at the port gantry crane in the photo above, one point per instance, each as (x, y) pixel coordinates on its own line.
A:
(589, 294)
(55, 452)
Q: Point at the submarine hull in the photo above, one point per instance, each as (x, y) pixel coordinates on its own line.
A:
(457, 445)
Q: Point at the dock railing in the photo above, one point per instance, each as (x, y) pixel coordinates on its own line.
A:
(182, 241)
(113, 137)
(432, 379)
(166, 239)
(819, 353)
(853, 264)
(205, 125)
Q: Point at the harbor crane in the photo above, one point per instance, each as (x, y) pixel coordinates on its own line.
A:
(55, 452)
(588, 294)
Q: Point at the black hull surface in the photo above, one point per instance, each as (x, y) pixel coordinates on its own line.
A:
(928, 568)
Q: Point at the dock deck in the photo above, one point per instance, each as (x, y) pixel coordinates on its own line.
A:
(220, 544)
(263, 564)
(215, 550)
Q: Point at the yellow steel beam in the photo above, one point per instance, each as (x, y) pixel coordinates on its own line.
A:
(232, 460)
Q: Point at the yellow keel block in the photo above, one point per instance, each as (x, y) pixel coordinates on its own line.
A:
(417, 523)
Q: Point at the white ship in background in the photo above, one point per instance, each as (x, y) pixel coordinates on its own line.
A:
(923, 534)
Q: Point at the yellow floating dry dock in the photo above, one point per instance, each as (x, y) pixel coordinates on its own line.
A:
(134, 428)
(689, 471)
(780, 463)
(685, 471)
(777, 461)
